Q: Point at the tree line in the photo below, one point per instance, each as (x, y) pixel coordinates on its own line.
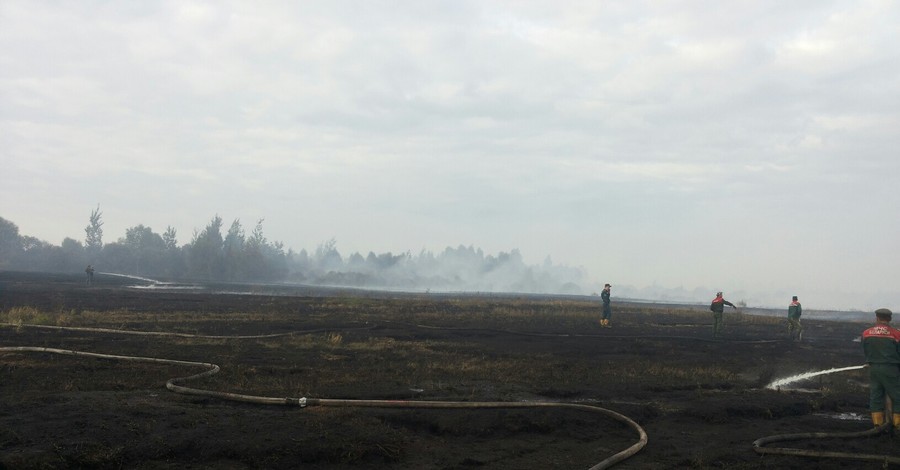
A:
(236, 255)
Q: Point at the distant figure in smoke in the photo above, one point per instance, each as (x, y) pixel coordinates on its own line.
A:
(881, 344)
(794, 312)
(717, 307)
(607, 310)
(89, 271)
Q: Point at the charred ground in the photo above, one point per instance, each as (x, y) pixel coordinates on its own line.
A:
(702, 402)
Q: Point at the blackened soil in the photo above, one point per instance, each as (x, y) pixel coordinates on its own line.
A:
(701, 401)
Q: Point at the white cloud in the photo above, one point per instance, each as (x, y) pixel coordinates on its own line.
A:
(559, 129)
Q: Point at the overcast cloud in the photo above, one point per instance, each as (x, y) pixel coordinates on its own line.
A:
(741, 146)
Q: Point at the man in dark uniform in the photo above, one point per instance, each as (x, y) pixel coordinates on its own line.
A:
(718, 308)
(607, 310)
(794, 312)
(881, 344)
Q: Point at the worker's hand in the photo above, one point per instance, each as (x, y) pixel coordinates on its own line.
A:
(734, 307)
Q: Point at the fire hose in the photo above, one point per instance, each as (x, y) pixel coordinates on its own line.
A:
(176, 385)
(758, 445)
(578, 335)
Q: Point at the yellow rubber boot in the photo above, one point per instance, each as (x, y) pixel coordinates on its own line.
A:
(896, 423)
(878, 418)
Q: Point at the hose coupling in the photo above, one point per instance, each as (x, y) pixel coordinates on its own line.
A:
(301, 402)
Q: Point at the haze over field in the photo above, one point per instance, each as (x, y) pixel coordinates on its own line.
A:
(664, 147)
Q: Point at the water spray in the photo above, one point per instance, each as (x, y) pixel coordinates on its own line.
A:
(759, 445)
(807, 375)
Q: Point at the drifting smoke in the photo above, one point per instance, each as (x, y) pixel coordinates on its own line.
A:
(237, 256)
(454, 269)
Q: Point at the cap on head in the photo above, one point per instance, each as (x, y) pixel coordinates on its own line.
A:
(795, 297)
(883, 314)
(719, 293)
(607, 285)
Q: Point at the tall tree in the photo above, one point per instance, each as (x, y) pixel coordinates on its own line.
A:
(93, 241)
(10, 243)
(264, 260)
(170, 238)
(71, 256)
(174, 260)
(205, 254)
(145, 250)
(327, 258)
(36, 254)
(233, 252)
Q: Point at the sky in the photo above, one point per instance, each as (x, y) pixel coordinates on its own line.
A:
(744, 146)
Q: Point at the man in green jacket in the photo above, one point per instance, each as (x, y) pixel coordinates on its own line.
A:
(606, 314)
(881, 344)
(717, 307)
(794, 312)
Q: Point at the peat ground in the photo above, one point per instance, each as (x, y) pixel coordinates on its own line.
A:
(701, 401)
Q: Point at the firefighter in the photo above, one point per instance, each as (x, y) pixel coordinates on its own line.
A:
(606, 313)
(794, 312)
(717, 307)
(881, 344)
(89, 272)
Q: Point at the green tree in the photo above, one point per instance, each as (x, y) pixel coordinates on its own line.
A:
(93, 241)
(71, 255)
(263, 260)
(205, 252)
(37, 255)
(174, 266)
(254, 257)
(10, 244)
(170, 238)
(327, 258)
(233, 252)
(145, 250)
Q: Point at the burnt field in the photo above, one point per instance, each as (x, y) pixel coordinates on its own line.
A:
(702, 402)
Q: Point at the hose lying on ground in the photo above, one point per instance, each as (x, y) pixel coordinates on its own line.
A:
(372, 326)
(177, 335)
(175, 386)
(580, 335)
(759, 443)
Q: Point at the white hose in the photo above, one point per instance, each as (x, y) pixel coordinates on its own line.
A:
(175, 386)
(166, 333)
